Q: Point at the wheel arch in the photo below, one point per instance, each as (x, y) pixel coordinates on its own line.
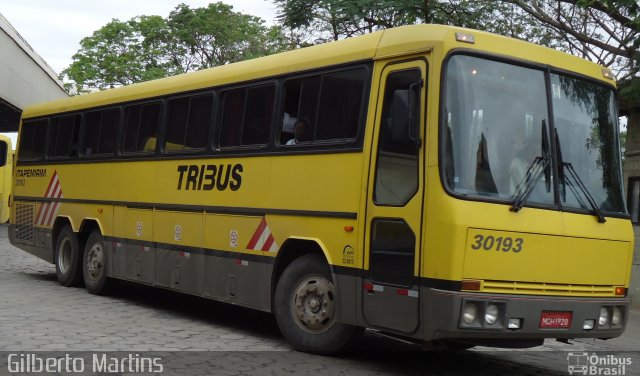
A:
(292, 249)
(59, 223)
(87, 226)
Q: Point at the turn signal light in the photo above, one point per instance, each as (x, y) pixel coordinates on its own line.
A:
(465, 38)
(607, 73)
(471, 285)
(621, 291)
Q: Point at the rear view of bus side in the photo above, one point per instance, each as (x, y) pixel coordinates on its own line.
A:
(439, 184)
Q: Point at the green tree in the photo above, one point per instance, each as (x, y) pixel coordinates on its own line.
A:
(325, 20)
(604, 31)
(117, 54)
(149, 47)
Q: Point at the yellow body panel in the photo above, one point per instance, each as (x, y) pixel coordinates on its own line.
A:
(543, 258)
(6, 172)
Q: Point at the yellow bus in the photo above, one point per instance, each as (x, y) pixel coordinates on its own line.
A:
(6, 173)
(438, 184)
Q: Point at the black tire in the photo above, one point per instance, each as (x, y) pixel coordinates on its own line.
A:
(68, 258)
(305, 307)
(94, 265)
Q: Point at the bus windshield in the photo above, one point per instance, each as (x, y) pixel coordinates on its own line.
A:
(587, 123)
(497, 132)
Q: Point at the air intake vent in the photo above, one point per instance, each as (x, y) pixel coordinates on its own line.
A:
(24, 223)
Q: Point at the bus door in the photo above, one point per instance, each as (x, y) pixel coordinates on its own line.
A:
(395, 200)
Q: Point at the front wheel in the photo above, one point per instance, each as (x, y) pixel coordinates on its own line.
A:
(95, 265)
(68, 258)
(305, 307)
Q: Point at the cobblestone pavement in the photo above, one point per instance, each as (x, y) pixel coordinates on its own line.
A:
(197, 336)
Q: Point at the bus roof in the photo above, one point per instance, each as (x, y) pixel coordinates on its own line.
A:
(391, 42)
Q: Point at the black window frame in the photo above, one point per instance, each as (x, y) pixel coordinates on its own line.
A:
(83, 128)
(52, 132)
(45, 142)
(210, 131)
(213, 150)
(324, 143)
(216, 144)
(159, 127)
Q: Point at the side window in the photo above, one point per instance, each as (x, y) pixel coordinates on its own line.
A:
(301, 105)
(63, 140)
(322, 107)
(141, 128)
(246, 116)
(32, 140)
(4, 148)
(397, 164)
(188, 123)
(340, 104)
(100, 130)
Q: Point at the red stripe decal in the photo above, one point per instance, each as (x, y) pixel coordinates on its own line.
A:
(257, 234)
(268, 243)
(46, 192)
(53, 208)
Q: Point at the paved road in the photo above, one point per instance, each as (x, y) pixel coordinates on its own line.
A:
(196, 336)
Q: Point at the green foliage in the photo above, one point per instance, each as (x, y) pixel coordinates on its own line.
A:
(323, 20)
(149, 47)
(630, 90)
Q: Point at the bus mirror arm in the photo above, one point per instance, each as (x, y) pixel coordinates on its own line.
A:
(414, 112)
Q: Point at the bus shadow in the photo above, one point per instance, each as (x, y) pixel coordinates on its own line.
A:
(42, 276)
(372, 353)
(197, 308)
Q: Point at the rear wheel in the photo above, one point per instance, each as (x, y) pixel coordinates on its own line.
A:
(305, 307)
(68, 258)
(95, 265)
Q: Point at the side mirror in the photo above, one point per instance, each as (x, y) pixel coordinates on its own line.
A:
(405, 114)
(400, 115)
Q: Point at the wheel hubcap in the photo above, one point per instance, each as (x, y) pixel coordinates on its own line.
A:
(64, 256)
(95, 263)
(313, 305)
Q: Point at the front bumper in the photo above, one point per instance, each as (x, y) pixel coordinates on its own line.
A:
(443, 311)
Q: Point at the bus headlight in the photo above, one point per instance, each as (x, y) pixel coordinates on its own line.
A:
(616, 318)
(469, 313)
(604, 317)
(491, 314)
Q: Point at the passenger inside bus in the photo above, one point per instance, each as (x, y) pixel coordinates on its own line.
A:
(301, 132)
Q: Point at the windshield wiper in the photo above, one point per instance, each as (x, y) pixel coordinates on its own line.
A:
(534, 172)
(579, 183)
(525, 187)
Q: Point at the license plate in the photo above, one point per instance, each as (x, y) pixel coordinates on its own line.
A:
(555, 319)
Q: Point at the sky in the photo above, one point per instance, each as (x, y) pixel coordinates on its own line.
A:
(54, 28)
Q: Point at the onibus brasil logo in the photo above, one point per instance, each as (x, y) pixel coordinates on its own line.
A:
(597, 364)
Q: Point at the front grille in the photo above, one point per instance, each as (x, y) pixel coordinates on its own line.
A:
(24, 223)
(553, 289)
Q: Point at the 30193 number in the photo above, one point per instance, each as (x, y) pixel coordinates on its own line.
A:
(493, 243)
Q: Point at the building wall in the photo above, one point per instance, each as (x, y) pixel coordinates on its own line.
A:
(631, 169)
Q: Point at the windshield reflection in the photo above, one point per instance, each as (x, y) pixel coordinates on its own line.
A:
(496, 113)
(587, 124)
(497, 126)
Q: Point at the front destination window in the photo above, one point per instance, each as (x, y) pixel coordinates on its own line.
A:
(500, 145)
